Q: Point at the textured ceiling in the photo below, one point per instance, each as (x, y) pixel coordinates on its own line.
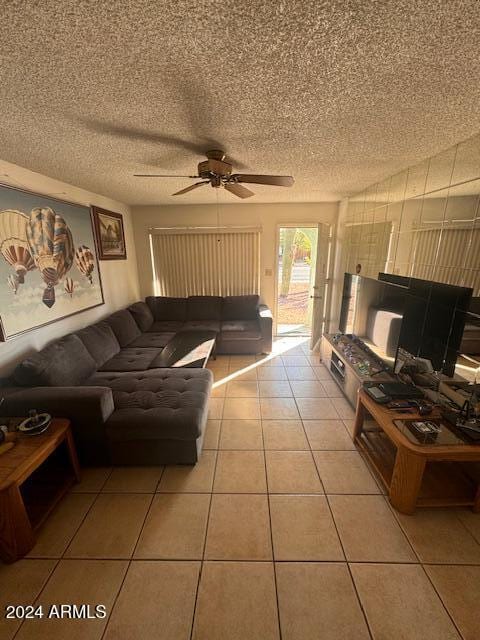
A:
(340, 94)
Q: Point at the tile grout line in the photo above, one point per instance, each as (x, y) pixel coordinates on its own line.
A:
(211, 493)
(422, 564)
(129, 561)
(310, 449)
(335, 525)
(405, 534)
(279, 561)
(268, 494)
(207, 524)
(57, 562)
(303, 561)
(441, 601)
(364, 613)
(271, 536)
(467, 529)
(62, 556)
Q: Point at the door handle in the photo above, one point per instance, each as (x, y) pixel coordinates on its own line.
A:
(317, 297)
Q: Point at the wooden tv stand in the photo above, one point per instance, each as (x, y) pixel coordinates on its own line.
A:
(416, 474)
(346, 373)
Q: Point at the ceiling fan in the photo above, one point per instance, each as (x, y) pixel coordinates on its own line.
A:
(218, 173)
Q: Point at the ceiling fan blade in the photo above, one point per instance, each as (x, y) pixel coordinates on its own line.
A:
(238, 190)
(190, 188)
(159, 175)
(278, 181)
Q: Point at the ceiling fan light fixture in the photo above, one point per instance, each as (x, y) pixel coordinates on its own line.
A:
(218, 173)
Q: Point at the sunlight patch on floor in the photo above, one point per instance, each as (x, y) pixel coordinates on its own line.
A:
(281, 346)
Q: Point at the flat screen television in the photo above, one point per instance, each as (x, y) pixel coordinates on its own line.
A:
(434, 319)
(373, 311)
(468, 361)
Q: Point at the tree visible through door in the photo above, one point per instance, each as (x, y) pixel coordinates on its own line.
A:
(296, 278)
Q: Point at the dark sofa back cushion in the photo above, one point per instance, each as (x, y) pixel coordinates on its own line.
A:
(142, 315)
(64, 363)
(240, 307)
(164, 308)
(100, 341)
(204, 308)
(124, 327)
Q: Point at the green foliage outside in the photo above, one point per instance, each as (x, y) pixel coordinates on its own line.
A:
(291, 241)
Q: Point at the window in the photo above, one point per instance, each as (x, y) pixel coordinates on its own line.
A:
(222, 262)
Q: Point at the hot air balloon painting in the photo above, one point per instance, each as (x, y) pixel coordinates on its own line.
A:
(14, 244)
(69, 286)
(85, 261)
(48, 261)
(51, 244)
(13, 283)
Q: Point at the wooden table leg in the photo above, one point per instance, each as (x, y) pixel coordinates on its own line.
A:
(406, 481)
(359, 418)
(476, 502)
(72, 454)
(16, 535)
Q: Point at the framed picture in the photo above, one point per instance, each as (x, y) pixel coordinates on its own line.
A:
(110, 234)
(48, 262)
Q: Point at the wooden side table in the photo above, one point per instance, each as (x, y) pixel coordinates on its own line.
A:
(34, 475)
(416, 474)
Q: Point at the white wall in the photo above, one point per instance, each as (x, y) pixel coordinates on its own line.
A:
(268, 216)
(119, 277)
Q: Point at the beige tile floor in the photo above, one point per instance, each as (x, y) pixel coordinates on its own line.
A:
(279, 532)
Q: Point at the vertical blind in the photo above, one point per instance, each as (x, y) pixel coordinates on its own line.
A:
(448, 255)
(367, 244)
(220, 262)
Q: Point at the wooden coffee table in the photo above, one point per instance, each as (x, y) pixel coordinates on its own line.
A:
(417, 474)
(34, 475)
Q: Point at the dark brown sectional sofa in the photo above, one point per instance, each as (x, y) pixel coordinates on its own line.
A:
(107, 378)
(242, 324)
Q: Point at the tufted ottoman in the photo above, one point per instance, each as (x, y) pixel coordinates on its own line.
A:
(159, 415)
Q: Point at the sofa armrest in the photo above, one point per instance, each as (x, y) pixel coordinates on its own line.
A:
(82, 405)
(266, 326)
(88, 408)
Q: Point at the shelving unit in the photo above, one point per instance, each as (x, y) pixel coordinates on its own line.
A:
(343, 368)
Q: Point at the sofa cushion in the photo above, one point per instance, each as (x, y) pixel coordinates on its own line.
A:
(170, 404)
(124, 327)
(162, 326)
(153, 339)
(201, 325)
(131, 359)
(164, 308)
(63, 363)
(240, 307)
(240, 330)
(100, 341)
(142, 315)
(204, 308)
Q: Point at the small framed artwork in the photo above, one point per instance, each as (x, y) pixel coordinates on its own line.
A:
(110, 234)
